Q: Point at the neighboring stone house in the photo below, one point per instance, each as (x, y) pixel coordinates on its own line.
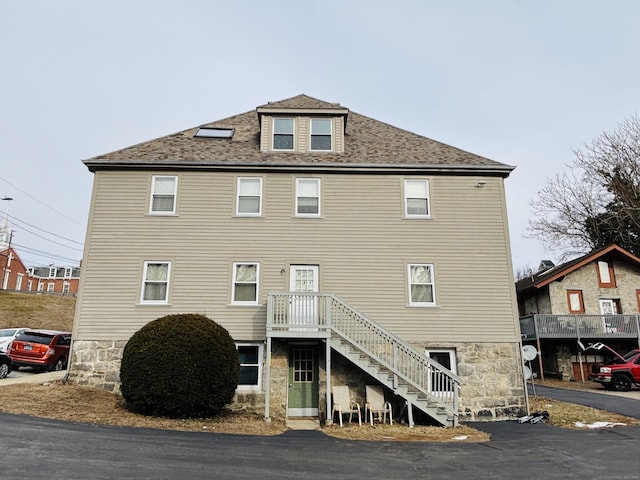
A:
(593, 298)
(335, 249)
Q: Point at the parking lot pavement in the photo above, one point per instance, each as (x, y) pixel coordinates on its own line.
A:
(624, 403)
(29, 376)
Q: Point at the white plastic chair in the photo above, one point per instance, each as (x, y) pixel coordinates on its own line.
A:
(376, 405)
(342, 403)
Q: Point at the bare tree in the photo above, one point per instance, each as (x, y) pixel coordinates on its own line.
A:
(598, 202)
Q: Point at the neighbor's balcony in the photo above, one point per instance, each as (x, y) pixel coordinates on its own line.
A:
(579, 326)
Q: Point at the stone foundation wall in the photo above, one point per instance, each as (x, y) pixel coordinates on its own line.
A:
(97, 364)
(492, 384)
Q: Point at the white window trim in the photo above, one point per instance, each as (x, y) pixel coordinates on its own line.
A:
(144, 281)
(319, 183)
(273, 134)
(330, 134)
(242, 214)
(406, 198)
(51, 287)
(258, 387)
(175, 195)
(433, 285)
(606, 303)
(233, 285)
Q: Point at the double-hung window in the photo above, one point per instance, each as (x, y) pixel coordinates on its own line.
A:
(283, 138)
(416, 199)
(321, 134)
(421, 285)
(155, 284)
(250, 366)
(308, 197)
(163, 195)
(249, 196)
(245, 283)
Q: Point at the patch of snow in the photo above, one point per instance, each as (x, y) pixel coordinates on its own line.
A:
(599, 425)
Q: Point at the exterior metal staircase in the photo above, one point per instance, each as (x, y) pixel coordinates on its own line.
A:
(422, 382)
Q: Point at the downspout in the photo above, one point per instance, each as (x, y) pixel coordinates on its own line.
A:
(329, 327)
(267, 382)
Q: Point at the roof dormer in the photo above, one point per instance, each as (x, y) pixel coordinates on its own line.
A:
(302, 124)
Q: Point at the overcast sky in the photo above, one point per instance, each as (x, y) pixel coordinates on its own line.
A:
(520, 82)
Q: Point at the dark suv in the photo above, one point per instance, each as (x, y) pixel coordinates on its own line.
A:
(41, 350)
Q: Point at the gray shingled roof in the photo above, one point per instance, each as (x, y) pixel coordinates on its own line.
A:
(369, 145)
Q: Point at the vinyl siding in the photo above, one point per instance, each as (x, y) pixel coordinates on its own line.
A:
(362, 243)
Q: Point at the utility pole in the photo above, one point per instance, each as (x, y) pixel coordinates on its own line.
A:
(4, 228)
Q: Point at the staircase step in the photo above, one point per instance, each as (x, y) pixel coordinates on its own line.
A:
(393, 381)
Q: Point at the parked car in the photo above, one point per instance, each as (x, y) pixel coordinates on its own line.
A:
(41, 349)
(7, 335)
(5, 365)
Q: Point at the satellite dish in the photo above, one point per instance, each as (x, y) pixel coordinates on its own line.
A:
(529, 352)
(527, 372)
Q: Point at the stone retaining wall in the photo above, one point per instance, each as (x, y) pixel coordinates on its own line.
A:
(492, 384)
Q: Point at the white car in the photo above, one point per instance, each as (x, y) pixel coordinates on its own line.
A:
(7, 335)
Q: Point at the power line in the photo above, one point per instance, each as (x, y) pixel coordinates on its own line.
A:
(47, 239)
(42, 203)
(43, 230)
(40, 253)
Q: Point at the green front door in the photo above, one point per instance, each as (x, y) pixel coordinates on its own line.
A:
(303, 381)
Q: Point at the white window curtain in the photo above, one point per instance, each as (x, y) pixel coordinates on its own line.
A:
(156, 279)
(246, 283)
(421, 284)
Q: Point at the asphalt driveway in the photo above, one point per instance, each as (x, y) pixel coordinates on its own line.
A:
(627, 403)
(33, 447)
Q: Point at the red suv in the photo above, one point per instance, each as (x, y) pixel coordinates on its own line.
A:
(40, 349)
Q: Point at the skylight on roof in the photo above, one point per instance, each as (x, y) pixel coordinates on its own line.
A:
(210, 132)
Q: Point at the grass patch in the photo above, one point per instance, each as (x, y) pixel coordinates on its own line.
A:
(565, 415)
(36, 310)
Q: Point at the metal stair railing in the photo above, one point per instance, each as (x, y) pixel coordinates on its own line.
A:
(326, 313)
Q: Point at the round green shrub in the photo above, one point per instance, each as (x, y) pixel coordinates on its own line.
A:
(179, 366)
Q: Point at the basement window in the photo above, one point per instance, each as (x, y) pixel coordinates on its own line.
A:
(208, 132)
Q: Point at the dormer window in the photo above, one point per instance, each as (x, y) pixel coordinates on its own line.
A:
(321, 134)
(283, 133)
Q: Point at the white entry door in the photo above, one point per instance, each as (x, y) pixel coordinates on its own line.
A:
(303, 309)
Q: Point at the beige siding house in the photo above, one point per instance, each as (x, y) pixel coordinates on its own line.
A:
(334, 248)
(588, 300)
